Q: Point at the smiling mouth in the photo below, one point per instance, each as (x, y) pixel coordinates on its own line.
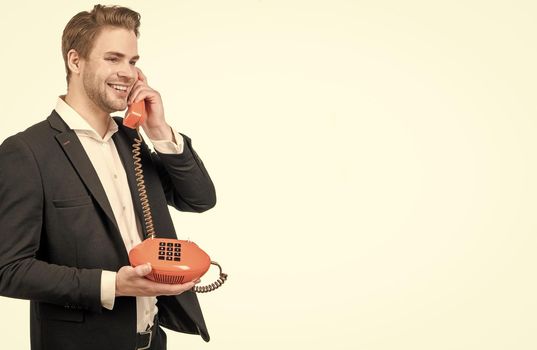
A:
(119, 88)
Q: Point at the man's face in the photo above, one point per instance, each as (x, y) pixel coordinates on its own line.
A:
(109, 72)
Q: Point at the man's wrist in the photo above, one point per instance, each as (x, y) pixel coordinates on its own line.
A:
(161, 133)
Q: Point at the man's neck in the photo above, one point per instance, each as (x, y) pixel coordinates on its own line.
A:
(95, 117)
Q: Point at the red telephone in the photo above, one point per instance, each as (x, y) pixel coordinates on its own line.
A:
(173, 261)
(136, 115)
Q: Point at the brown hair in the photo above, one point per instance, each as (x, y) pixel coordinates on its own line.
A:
(80, 33)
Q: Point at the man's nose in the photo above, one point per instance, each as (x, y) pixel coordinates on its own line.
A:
(127, 71)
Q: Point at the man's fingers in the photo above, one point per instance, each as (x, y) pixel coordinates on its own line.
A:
(142, 270)
(183, 287)
(141, 76)
(175, 289)
(156, 288)
(135, 91)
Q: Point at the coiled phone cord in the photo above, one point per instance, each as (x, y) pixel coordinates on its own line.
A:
(148, 219)
(146, 209)
(214, 285)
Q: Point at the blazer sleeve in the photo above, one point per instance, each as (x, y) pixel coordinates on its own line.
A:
(186, 182)
(22, 274)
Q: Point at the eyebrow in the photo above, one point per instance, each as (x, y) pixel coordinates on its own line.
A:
(119, 54)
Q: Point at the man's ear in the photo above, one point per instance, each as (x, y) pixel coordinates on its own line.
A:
(74, 61)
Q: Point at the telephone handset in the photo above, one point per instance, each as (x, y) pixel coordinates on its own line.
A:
(173, 261)
(136, 115)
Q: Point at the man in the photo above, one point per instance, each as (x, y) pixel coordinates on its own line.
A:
(69, 205)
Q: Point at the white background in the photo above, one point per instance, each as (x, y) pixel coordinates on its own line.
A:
(374, 163)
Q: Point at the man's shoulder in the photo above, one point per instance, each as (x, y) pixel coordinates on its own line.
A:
(38, 134)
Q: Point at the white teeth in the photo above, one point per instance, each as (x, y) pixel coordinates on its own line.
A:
(119, 87)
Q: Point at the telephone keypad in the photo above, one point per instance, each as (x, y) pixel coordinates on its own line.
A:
(169, 251)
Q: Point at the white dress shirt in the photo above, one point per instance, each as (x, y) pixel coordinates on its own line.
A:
(105, 159)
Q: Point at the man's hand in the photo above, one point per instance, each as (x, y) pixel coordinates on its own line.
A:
(155, 125)
(130, 281)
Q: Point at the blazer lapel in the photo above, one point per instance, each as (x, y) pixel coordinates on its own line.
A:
(74, 150)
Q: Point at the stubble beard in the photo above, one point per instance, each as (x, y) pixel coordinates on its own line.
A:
(98, 94)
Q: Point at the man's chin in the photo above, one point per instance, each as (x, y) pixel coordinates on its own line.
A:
(117, 107)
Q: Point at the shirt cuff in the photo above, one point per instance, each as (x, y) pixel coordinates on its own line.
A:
(168, 146)
(108, 289)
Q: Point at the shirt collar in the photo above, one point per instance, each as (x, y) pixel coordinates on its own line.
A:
(76, 122)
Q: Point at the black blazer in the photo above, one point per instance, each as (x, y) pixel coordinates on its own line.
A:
(58, 232)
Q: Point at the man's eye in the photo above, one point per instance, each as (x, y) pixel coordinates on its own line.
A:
(133, 63)
(112, 59)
